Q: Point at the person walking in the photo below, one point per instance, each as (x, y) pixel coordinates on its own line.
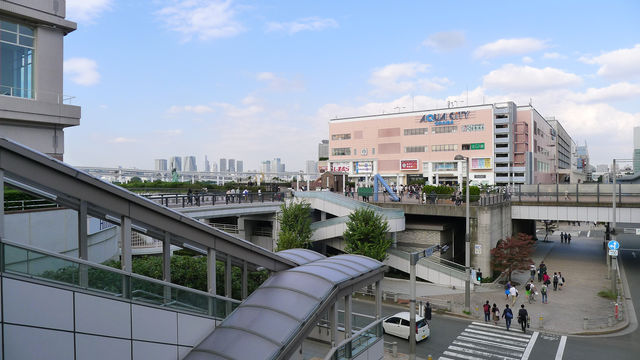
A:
(532, 272)
(531, 293)
(507, 286)
(555, 281)
(513, 294)
(569, 238)
(543, 291)
(190, 197)
(427, 312)
(546, 279)
(487, 311)
(543, 269)
(560, 280)
(496, 314)
(523, 317)
(507, 314)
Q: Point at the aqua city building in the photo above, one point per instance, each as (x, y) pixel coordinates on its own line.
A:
(505, 144)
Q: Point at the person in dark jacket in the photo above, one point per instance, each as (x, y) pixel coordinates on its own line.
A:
(523, 316)
(427, 312)
(507, 314)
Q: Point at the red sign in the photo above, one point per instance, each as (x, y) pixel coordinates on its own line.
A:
(408, 164)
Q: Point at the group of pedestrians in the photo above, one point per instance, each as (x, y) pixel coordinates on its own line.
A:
(507, 314)
(565, 237)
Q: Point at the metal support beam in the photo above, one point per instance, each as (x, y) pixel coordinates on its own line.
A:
(613, 228)
(412, 306)
(166, 257)
(211, 271)
(227, 277)
(245, 282)
(125, 238)
(83, 246)
(333, 323)
(347, 316)
(378, 299)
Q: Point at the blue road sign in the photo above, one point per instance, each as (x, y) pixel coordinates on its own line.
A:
(613, 245)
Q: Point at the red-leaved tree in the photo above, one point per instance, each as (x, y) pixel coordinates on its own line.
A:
(513, 253)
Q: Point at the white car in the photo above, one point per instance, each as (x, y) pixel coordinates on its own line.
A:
(398, 325)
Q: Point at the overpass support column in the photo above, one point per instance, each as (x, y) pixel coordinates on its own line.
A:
(378, 299)
(347, 316)
(333, 323)
(83, 246)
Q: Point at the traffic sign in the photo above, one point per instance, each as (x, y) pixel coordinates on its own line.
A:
(613, 252)
(613, 245)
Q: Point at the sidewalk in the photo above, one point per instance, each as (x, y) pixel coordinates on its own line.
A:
(583, 266)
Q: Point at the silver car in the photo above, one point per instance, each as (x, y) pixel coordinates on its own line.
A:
(398, 325)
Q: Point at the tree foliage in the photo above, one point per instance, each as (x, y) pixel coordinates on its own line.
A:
(366, 234)
(513, 253)
(295, 225)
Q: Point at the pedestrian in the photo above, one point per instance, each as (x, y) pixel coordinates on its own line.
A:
(496, 314)
(427, 312)
(487, 311)
(523, 317)
(513, 294)
(566, 195)
(555, 281)
(546, 279)
(543, 267)
(507, 286)
(507, 314)
(532, 272)
(190, 197)
(543, 291)
(569, 238)
(560, 280)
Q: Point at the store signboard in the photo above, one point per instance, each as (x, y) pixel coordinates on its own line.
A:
(406, 165)
(477, 146)
(481, 163)
(363, 167)
(341, 167)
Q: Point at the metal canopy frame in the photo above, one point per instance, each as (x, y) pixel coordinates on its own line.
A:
(71, 187)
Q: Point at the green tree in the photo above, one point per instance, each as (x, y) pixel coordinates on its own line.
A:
(295, 225)
(366, 234)
(513, 253)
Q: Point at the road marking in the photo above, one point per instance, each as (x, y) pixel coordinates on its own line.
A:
(444, 358)
(481, 353)
(589, 233)
(527, 351)
(503, 341)
(498, 335)
(560, 352)
(461, 356)
(487, 342)
(487, 348)
(500, 331)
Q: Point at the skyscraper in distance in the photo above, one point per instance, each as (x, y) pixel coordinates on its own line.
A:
(175, 162)
(232, 165)
(190, 163)
(223, 165)
(239, 166)
(207, 166)
(161, 164)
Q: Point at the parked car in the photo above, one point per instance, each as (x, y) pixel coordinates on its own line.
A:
(398, 325)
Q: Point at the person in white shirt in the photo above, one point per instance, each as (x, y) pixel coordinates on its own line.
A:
(513, 294)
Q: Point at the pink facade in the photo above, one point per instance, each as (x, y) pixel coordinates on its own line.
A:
(424, 143)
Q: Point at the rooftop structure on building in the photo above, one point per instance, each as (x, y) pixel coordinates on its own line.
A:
(506, 144)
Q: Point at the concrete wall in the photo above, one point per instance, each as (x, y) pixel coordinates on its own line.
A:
(53, 7)
(44, 322)
(493, 224)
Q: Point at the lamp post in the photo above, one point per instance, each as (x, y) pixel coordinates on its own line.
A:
(467, 243)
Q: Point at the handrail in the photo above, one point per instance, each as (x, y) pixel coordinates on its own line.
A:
(357, 335)
(108, 269)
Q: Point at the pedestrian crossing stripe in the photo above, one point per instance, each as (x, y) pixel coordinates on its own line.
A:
(480, 341)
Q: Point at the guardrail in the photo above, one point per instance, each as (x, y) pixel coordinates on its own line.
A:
(26, 261)
(25, 205)
(202, 199)
(356, 344)
(577, 193)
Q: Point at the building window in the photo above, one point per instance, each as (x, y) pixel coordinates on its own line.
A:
(444, 147)
(340, 151)
(340, 136)
(415, 149)
(445, 166)
(444, 129)
(472, 127)
(16, 59)
(417, 131)
(373, 151)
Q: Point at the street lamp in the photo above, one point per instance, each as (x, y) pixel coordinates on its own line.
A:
(467, 244)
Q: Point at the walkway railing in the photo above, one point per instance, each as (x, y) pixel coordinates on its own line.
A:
(26, 205)
(26, 261)
(577, 193)
(212, 199)
(360, 341)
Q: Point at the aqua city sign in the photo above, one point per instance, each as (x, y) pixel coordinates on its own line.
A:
(445, 118)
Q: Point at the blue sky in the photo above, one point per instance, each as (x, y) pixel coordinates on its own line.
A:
(255, 80)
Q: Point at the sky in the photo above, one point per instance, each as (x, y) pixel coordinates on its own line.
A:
(255, 80)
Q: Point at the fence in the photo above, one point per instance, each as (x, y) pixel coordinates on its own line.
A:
(202, 199)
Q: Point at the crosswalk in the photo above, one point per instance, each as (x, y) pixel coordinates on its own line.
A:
(480, 341)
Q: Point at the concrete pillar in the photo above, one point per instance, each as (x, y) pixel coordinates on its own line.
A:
(83, 246)
(2, 207)
(394, 239)
(308, 183)
(125, 237)
(166, 257)
(323, 216)
(333, 323)
(437, 180)
(245, 281)
(378, 299)
(344, 184)
(227, 277)
(347, 316)
(211, 270)
(241, 228)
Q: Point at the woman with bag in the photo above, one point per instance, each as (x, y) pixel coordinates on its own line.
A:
(496, 314)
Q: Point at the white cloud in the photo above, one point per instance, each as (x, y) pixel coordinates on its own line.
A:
(527, 60)
(445, 40)
(526, 79)
(553, 55)
(305, 24)
(86, 10)
(617, 91)
(504, 47)
(279, 83)
(170, 132)
(196, 109)
(251, 108)
(122, 140)
(82, 71)
(405, 78)
(203, 19)
(618, 64)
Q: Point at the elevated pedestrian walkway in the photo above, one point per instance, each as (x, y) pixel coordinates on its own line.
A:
(433, 269)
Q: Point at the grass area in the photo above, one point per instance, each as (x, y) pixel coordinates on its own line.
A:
(466, 312)
(608, 294)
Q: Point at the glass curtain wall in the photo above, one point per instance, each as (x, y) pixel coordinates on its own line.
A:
(16, 59)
